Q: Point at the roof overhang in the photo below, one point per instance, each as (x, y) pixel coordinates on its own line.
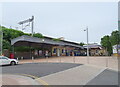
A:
(25, 40)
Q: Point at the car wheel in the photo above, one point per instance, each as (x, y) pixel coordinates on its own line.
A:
(13, 63)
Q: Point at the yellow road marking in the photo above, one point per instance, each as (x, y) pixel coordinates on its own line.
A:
(37, 79)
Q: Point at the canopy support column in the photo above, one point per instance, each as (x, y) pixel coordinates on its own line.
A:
(30, 51)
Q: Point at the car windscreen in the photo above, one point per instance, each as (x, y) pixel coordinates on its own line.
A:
(4, 58)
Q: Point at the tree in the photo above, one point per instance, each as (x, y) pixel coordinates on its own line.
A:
(81, 43)
(6, 45)
(9, 34)
(39, 35)
(105, 42)
(114, 38)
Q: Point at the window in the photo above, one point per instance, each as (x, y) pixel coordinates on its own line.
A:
(62, 50)
(54, 50)
(96, 51)
(4, 58)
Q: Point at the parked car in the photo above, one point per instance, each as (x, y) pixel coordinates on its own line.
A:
(7, 61)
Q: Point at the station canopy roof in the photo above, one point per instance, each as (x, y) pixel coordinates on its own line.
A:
(93, 46)
(25, 40)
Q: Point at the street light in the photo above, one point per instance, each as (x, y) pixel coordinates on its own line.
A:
(87, 45)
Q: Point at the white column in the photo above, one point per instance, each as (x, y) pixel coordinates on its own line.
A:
(87, 46)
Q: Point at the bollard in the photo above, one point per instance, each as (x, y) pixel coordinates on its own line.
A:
(46, 59)
(21, 58)
(73, 59)
(106, 62)
(17, 58)
(32, 59)
(60, 59)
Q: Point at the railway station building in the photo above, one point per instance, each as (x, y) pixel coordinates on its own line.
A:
(39, 47)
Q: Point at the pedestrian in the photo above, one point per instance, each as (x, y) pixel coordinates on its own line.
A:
(2, 55)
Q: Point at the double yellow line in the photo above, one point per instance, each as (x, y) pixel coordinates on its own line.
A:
(37, 79)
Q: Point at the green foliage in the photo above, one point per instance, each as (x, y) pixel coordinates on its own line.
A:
(22, 49)
(6, 45)
(27, 34)
(56, 39)
(81, 44)
(25, 48)
(109, 41)
(39, 35)
(114, 38)
(9, 34)
(105, 42)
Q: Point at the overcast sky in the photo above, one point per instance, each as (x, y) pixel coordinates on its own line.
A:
(64, 19)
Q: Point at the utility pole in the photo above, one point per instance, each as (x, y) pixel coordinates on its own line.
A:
(87, 45)
(28, 21)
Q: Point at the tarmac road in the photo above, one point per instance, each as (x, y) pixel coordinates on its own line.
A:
(38, 69)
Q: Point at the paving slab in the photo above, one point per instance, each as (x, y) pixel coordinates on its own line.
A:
(107, 77)
(75, 76)
(9, 79)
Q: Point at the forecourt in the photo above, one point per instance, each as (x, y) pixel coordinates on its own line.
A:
(64, 73)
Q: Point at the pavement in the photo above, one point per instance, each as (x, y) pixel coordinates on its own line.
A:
(83, 75)
(110, 77)
(10, 79)
(76, 76)
(59, 74)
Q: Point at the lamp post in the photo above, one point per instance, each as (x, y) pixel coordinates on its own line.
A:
(87, 45)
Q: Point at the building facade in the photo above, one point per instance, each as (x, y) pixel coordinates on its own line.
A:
(40, 47)
(116, 50)
(96, 50)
